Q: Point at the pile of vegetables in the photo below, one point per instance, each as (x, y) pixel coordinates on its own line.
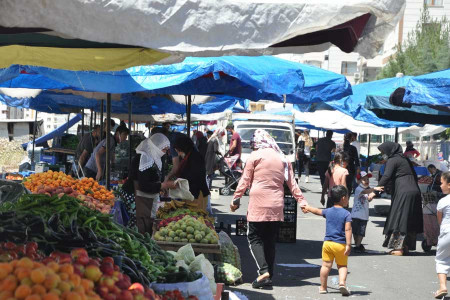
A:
(87, 190)
(175, 208)
(62, 223)
(187, 230)
(73, 276)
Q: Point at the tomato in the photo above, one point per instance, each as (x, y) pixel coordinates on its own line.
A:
(9, 246)
(31, 246)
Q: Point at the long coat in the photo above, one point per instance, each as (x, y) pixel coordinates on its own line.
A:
(405, 213)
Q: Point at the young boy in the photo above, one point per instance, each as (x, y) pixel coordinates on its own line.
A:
(338, 238)
(360, 211)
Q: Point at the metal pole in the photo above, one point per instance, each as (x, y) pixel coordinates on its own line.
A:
(82, 123)
(95, 117)
(101, 121)
(108, 137)
(368, 149)
(34, 137)
(188, 115)
(396, 135)
(68, 119)
(90, 122)
(129, 122)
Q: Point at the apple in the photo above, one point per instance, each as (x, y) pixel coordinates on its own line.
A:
(93, 262)
(78, 252)
(110, 297)
(107, 268)
(126, 295)
(103, 291)
(122, 284)
(92, 273)
(108, 259)
(136, 286)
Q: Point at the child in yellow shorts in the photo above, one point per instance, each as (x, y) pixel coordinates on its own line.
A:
(338, 237)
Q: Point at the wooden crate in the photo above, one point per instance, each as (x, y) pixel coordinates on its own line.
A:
(198, 248)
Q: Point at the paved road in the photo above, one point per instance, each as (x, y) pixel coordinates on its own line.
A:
(372, 275)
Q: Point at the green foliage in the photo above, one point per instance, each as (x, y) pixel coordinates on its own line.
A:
(427, 49)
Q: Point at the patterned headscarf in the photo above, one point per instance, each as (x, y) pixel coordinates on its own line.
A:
(263, 140)
(151, 152)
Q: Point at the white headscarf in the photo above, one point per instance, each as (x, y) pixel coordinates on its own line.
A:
(217, 134)
(151, 152)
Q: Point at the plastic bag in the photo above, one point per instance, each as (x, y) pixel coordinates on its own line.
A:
(228, 274)
(10, 191)
(182, 263)
(174, 254)
(203, 265)
(199, 288)
(186, 253)
(182, 190)
(230, 253)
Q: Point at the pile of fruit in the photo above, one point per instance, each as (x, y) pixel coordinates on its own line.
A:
(73, 276)
(425, 180)
(63, 224)
(10, 251)
(87, 190)
(175, 208)
(187, 230)
(14, 177)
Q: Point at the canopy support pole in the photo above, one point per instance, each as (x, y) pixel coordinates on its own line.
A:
(188, 115)
(34, 137)
(368, 150)
(90, 122)
(108, 142)
(95, 118)
(82, 123)
(101, 121)
(129, 139)
(396, 135)
(68, 120)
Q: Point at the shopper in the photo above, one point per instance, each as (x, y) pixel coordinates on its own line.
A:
(235, 142)
(201, 143)
(336, 175)
(212, 151)
(96, 165)
(353, 163)
(435, 185)
(410, 151)
(360, 211)
(304, 145)
(405, 219)
(265, 173)
(144, 185)
(192, 167)
(443, 247)
(87, 146)
(324, 147)
(338, 238)
(356, 144)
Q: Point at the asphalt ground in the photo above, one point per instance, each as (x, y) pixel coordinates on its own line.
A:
(372, 275)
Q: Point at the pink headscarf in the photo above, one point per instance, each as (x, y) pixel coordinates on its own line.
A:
(263, 140)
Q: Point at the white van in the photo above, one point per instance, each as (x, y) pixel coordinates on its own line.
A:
(282, 131)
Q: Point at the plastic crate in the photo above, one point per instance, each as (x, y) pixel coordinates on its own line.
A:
(287, 233)
(241, 227)
(290, 216)
(51, 159)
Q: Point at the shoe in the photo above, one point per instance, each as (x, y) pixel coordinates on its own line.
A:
(362, 249)
(357, 249)
(261, 284)
(344, 290)
(306, 179)
(440, 294)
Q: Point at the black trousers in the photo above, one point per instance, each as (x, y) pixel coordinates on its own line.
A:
(322, 167)
(303, 163)
(262, 237)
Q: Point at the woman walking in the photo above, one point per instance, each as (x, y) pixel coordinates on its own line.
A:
(265, 173)
(214, 143)
(304, 154)
(404, 220)
(353, 163)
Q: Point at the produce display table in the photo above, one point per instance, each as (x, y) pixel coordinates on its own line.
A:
(198, 248)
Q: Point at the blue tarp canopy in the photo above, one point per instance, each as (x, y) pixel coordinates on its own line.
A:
(353, 105)
(60, 103)
(255, 78)
(57, 132)
(378, 102)
(429, 89)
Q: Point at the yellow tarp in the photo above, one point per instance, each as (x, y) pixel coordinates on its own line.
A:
(90, 59)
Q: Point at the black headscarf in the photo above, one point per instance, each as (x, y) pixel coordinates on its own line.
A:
(391, 149)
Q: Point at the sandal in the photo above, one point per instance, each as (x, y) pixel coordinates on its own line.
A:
(323, 291)
(440, 294)
(396, 252)
(344, 290)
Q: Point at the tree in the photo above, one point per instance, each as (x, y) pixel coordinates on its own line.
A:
(426, 49)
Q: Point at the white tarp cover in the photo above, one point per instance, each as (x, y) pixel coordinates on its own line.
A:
(205, 27)
(426, 130)
(328, 119)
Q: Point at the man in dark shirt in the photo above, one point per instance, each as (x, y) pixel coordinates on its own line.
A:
(86, 145)
(324, 148)
(235, 142)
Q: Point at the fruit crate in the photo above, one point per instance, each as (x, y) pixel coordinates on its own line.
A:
(198, 248)
(290, 209)
(287, 233)
(241, 227)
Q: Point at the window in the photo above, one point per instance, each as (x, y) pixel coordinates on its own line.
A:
(49, 119)
(363, 138)
(409, 137)
(48, 126)
(433, 2)
(375, 138)
(388, 138)
(314, 63)
(348, 68)
(55, 126)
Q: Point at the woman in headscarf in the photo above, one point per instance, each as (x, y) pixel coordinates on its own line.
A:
(144, 180)
(265, 173)
(410, 151)
(201, 143)
(404, 220)
(192, 168)
(213, 149)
